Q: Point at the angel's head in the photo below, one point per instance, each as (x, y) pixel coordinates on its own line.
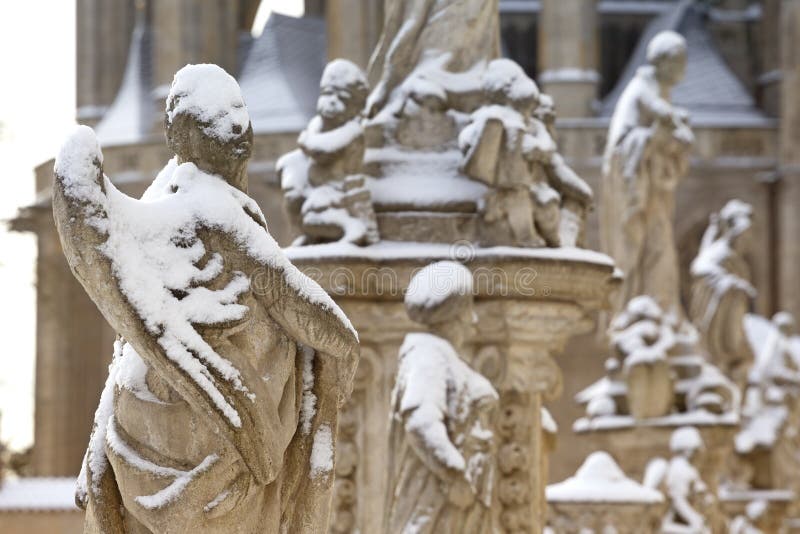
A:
(440, 297)
(207, 122)
(506, 84)
(343, 92)
(667, 53)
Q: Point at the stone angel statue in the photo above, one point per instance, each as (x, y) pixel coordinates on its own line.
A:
(721, 290)
(441, 443)
(646, 155)
(220, 410)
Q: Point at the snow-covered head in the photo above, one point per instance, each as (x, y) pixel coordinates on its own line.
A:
(207, 122)
(667, 53)
(643, 307)
(785, 323)
(506, 84)
(343, 92)
(440, 293)
(685, 441)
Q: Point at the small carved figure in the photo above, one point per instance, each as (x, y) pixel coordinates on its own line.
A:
(642, 338)
(646, 156)
(324, 188)
(577, 197)
(507, 148)
(680, 481)
(441, 444)
(220, 410)
(721, 290)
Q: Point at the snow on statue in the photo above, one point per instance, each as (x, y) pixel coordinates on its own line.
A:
(222, 399)
(441, 447)
(721, 290)
(324, 188)
(646, 155)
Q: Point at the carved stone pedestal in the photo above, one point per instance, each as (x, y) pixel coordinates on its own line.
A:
(528, 302)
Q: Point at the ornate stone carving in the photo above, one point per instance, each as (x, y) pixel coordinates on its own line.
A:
(721, 289)
(646, 155)
(441, 456)
(323, 181)
(222, 400)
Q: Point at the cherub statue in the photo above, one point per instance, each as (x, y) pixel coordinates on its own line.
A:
(646, 155)
(441, 443)
(507, 148)
(220, 410)
(721, 289)
(680, 481)
(322, 181)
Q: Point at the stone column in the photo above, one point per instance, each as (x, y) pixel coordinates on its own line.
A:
(769, 80)
(354, 27)
(191, 31)
(568, 52)
(103, 35)
(789, 138)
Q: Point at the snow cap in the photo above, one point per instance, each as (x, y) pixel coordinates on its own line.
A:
(736, 208)
(784, 321)
(344, 73)
(685, 439)
(213, 97)
(506, 77)
(665, 44)
(437, 292)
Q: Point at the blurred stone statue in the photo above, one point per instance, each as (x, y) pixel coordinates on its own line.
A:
(503, 146)
(721, 291)
(220, 410)
(430, 38)
(322, 181)
(646, 155)
(441, 456)
(681, 482)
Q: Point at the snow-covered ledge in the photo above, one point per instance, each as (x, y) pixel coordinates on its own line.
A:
(601, 497)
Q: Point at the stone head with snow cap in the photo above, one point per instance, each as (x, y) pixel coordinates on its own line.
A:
(686, 441)
(343, 92)
(207, 122)
(506, 84)
(440, 297)
(667, 53)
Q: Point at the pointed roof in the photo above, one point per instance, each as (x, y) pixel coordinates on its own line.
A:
(280, 75)
(130, 118)
(710, 90)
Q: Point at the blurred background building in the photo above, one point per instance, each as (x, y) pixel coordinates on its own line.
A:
(583, 52)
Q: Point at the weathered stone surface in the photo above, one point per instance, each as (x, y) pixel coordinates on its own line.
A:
(441, 446)
(228, 422)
